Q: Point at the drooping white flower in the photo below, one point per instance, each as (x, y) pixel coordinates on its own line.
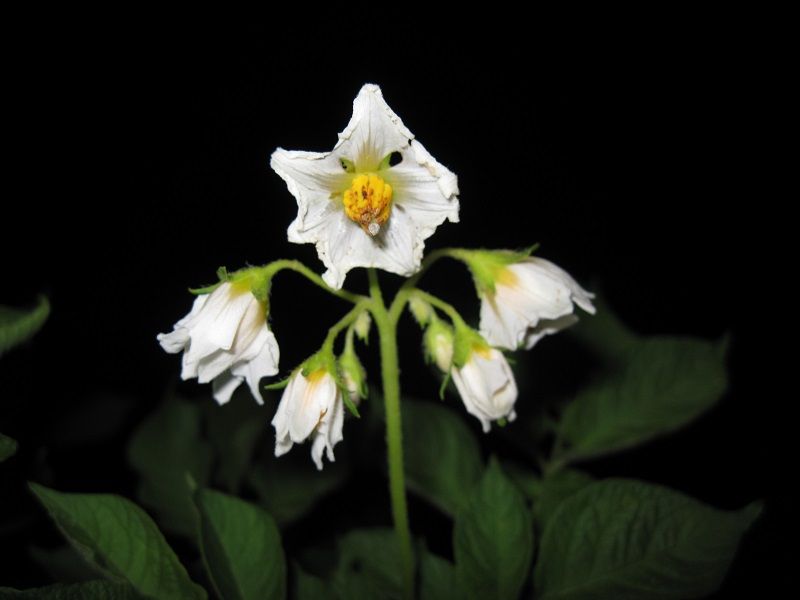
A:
(486, 385)
(531, 298)
(225, 339)
(311, 406)
(358, 208)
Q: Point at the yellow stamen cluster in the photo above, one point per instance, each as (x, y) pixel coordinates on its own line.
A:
(368, 202)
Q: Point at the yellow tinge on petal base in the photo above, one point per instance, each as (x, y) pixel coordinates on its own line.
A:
(368, 202)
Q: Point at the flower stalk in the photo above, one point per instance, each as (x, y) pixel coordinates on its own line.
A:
(386, 324)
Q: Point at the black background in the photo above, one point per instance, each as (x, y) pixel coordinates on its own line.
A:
(136, 162)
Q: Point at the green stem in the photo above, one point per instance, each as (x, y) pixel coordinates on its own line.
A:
(295, 265)
(386, 324)
(344, 322)
(446, 308)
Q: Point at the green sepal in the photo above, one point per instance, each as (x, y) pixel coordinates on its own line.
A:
(222, 275)
(443, 387)
(257, 279)
(324, 359)
(485, 264)
(349, 403)
(278, 385)
(466, 340)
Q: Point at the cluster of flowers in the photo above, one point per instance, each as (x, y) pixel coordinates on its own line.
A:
(362, 208)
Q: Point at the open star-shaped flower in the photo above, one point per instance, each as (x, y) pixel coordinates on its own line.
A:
(359, 205)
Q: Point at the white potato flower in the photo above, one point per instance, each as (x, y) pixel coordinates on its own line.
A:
(356, 206)
(486, 385)
(225, 339)
(311, 406)
(531, 298)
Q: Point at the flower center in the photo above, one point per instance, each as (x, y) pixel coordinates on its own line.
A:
(368, 202)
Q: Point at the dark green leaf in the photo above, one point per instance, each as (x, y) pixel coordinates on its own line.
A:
(310, 587)
(662, 384)
(629, 539)
(90, 590)
(437, 577)
(290, 486)
(493, 539)
(164, 449)
(553, 489)
(234, 430)
(442, 458)
(605, 334)
(64, 564)
(121, 540)
(241, 548)
(369, 566)
(8, 447)
(16, 325)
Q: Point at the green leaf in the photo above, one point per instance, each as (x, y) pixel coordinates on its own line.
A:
(121, 540)
(90, 590)
(493, 539)
(163, 450)
(437, 577)
(369, 565)
(309, 587)
(64, 564)
(233, 430)
(442, 457)
(662, 384)
(605, 333)
(629, 539)
(241, 548)
(17, 325)
(8, 447)
(549, 492)
(290, 486)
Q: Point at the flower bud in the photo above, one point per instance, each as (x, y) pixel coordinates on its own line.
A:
(438, 342)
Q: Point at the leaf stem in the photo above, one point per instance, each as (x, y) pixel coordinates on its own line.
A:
(386, 324)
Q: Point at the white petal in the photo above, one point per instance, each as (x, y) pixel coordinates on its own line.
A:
(487, 387)
(342, 245)
(264, 364)
(547, 327)
(501, 327)
(374, 131)
(313, 178)
(174, 341)
(178, 339)
(224, 386)
(579, 295)
(424, 194)
(317, 448)
(425, 189)
(311, 406)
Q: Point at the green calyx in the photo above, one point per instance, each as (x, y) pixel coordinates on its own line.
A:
(255, 279)
(466, 341)
(486, 264)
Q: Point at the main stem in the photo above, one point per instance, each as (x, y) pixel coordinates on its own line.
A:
(390, 371)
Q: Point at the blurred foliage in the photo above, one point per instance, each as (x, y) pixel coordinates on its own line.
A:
(242, 524)
(17, 326)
